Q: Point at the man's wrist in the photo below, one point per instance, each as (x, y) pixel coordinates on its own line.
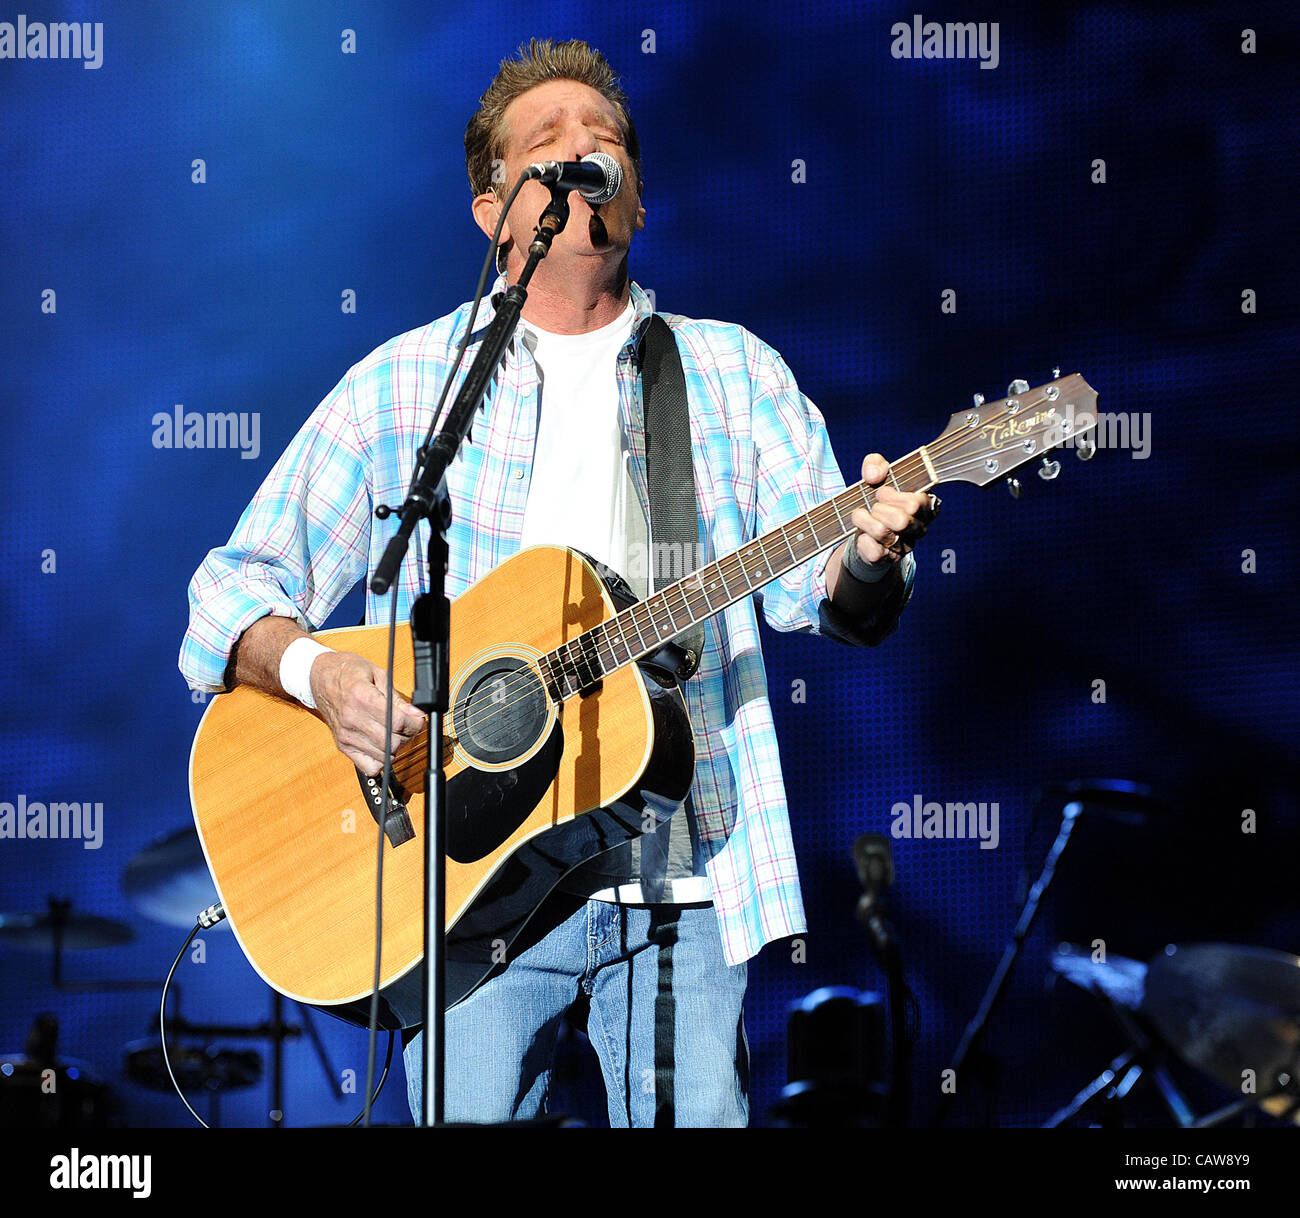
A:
(295, 669)
(866, 572)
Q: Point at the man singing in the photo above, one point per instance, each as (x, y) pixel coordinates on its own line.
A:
(675, 915)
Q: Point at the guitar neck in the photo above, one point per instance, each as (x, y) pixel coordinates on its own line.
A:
(982, 444)
(641, 629)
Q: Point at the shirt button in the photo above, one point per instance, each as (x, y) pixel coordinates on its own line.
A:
(519, 473)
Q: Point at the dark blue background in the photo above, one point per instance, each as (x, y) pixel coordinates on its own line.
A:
(328, 171)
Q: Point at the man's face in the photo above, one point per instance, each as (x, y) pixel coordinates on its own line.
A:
(564, 121)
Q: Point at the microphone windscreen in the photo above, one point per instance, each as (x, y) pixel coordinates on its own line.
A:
(596, 195)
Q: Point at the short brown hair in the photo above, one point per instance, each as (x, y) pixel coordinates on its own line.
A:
(538, 62)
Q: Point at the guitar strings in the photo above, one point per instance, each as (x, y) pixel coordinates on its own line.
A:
(501, 699)
(513, 692)
(530, 676)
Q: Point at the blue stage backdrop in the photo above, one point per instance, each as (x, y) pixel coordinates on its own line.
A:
(220, 207)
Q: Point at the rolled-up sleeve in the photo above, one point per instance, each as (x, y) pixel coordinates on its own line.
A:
(299, 547)
(796, 471)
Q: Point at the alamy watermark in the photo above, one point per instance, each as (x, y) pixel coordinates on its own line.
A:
(947, 40)
(663, 562)
(1075, 430)
(76, 1169)
(922, 819)
(36, 821)
(23, 39)
(189, 429)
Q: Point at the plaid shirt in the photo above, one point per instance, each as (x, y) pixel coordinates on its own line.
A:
(761, 457)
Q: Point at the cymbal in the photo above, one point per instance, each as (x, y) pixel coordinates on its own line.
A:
(1118, 799)
(1118, 977)
(1228, 1009)
(79, 932)
(169, 880)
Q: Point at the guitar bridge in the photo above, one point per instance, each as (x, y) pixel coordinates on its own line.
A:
(398, 828)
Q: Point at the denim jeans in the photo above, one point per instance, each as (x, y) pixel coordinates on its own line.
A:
(665, 1018)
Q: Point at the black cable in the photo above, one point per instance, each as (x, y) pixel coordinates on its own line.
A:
(162, 1021)
(162, 1032)
(372, 1030)
(388, 1061)
(423, 450)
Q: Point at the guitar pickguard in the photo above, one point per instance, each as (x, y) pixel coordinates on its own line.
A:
(484, 807)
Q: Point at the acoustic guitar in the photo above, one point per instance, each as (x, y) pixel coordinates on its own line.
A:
(566, 736)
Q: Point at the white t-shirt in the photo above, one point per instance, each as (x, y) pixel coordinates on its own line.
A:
(582, 496)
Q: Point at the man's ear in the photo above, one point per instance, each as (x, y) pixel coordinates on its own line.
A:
(486, 210)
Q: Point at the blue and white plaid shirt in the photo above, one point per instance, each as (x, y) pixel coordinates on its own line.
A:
(761, 457)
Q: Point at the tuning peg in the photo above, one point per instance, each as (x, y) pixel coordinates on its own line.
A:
(1086, 449)
(1017, 386)
(1013, 485)
(1049, 469)
(1056, 374)
(978, 399)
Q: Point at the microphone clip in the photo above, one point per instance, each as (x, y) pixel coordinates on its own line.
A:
(551, 222)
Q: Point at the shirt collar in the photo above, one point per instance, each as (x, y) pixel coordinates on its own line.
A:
(642, 310)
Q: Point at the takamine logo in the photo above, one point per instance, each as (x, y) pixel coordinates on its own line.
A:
(75, 1170)
(1014, 428)
(23, 39)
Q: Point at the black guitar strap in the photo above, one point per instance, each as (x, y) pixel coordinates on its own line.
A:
(670, 473)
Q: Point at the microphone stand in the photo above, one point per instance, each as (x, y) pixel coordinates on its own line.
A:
(876, 873)
(971, 1046)
(430, 628)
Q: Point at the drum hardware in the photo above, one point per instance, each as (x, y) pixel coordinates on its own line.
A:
(1118, 983)
(1232, 1013)
(1115, 798)
(169, 881)
(198, 1068)
(39, 1090)
(277, 1031)
(59, 930)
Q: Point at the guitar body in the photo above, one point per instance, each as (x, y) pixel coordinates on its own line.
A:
(567, 736)
(535, 786)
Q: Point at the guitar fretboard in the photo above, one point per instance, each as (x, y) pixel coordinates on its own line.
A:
(643, 628)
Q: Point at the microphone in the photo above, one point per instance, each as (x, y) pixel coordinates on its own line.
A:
(876, 873)
(597, 178)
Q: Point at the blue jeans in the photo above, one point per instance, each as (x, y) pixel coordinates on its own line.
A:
(665, 1019)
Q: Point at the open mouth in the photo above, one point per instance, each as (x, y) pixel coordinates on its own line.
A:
(596, 230)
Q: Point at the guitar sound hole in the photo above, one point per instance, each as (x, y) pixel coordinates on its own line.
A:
(500, 710)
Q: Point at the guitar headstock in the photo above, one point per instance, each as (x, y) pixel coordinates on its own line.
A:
(992, 440)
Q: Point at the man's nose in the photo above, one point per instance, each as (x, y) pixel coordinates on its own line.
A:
(581, 143)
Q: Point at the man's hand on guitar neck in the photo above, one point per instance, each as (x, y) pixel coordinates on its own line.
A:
(349, 691)
(885, 534)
